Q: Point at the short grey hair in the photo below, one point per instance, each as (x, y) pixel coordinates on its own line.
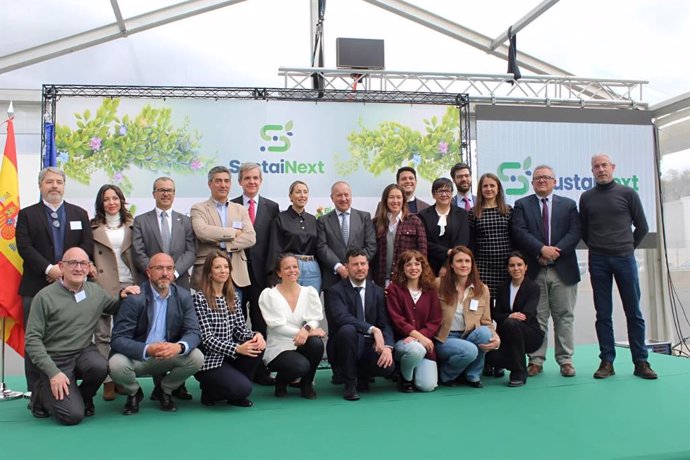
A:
(248, 166)
(544, 167)
(52, 169)
(608, 157)
(218, 170)
(166, 178)
(338, 183)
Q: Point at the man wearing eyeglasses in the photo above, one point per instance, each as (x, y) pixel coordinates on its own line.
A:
(461, 174)
(44, 231)
(546, 227)
(164, 230)
(59, 341)
(155, 333)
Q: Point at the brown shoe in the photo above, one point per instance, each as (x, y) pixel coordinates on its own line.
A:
(109, 391)
(643, 369)
(567, 370)
(605, 370)
(534, 369)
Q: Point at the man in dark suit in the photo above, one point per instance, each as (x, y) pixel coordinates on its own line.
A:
(461, 174)
(546, 227)
(406, 178)
(177, 240)
(261, 211)
(155, 333)
(44, 231)
(342, 229)
(361, 329)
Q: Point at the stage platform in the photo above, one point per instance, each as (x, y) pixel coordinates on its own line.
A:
(552, 417)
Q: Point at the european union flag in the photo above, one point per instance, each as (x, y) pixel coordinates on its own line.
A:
(50, 153)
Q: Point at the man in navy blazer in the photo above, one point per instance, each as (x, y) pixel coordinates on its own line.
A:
(546, 227)
(45, 230)
(155, 333)
(331, 246)
(360, 327)
(147, 239)
(261, 212)
(461, 174)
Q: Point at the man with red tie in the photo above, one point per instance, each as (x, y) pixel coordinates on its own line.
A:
(461, 174)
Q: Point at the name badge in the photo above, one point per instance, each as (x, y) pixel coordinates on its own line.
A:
(79, 296)
(474, 305)
(75, 225)
(237, 224)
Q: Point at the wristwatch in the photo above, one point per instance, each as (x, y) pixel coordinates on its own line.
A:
(307, 327)
(182, 347)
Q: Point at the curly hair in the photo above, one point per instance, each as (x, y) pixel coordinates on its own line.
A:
(427, 281)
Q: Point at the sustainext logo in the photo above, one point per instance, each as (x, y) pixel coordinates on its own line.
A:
(516, 178)
(276, 139)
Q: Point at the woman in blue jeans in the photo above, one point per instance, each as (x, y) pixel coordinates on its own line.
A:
(467, 331)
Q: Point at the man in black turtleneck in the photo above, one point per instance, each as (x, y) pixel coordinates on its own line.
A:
(607, 213)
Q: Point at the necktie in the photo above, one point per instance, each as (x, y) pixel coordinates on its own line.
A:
(545, 219)
(467, 204)
(360, 305)
(345, 226)
(165, 232)
(252, 210)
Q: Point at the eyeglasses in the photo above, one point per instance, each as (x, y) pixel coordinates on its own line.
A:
(76, 263)
(165, 190)
(160, 268)
(444, 191)
(542, 178)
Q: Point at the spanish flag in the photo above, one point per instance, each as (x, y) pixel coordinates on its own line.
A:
(10, 262)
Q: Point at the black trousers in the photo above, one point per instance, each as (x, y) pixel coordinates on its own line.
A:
(253, 313)
(517, 339)
(231, 381)
(89, 366)
(299, 363)
(355, 356)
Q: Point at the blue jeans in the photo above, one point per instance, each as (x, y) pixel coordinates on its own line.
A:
(414, 365)
(603, 269)
(309, 274)
(457, 355)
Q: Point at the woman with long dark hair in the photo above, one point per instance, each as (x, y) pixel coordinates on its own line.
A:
(113, 259)
(415, 312)
(396, 231)
(467, 331)
(231, 350)
(490, 224)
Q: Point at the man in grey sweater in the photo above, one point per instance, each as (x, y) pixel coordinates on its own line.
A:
(607, 213)
(59, 341)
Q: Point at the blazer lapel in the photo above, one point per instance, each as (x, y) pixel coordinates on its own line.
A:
(536, 214)
(155, 229)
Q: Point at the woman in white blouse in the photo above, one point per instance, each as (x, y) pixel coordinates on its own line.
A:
(294, 346)
(113, 259)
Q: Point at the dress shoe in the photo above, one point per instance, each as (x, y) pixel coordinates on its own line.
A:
(405, 386)
(206, 399)
(469, 383)
(182, 393)
(307, 391)
(488, 370)
(167, 403)
(240, 402)
(89, 408)
(498, 372)
(605, 370)
(644, 370)
(350, 393)
(281, 389)
(38, 411)
(517, 379)
(567, 370)
(132, 404)
(109, 391)
(264, 380)
(534, 369)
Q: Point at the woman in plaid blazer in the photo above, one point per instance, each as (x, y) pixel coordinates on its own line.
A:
(231, 351)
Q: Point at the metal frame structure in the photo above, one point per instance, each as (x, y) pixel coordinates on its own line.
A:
(549, 90)
(52, 93)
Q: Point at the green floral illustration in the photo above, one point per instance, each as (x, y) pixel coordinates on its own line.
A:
(112, 144)
(393, 145)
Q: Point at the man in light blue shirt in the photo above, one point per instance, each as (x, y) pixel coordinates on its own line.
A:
(155, 333)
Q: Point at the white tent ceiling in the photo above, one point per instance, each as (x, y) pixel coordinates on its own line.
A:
(243, 43)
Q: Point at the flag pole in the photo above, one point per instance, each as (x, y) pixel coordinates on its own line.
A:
(5, 393)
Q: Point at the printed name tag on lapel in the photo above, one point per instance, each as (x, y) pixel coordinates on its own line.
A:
(75, 225)
(474, 305)
(237, 224)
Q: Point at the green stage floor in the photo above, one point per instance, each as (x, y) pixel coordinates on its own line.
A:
(550, 418)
